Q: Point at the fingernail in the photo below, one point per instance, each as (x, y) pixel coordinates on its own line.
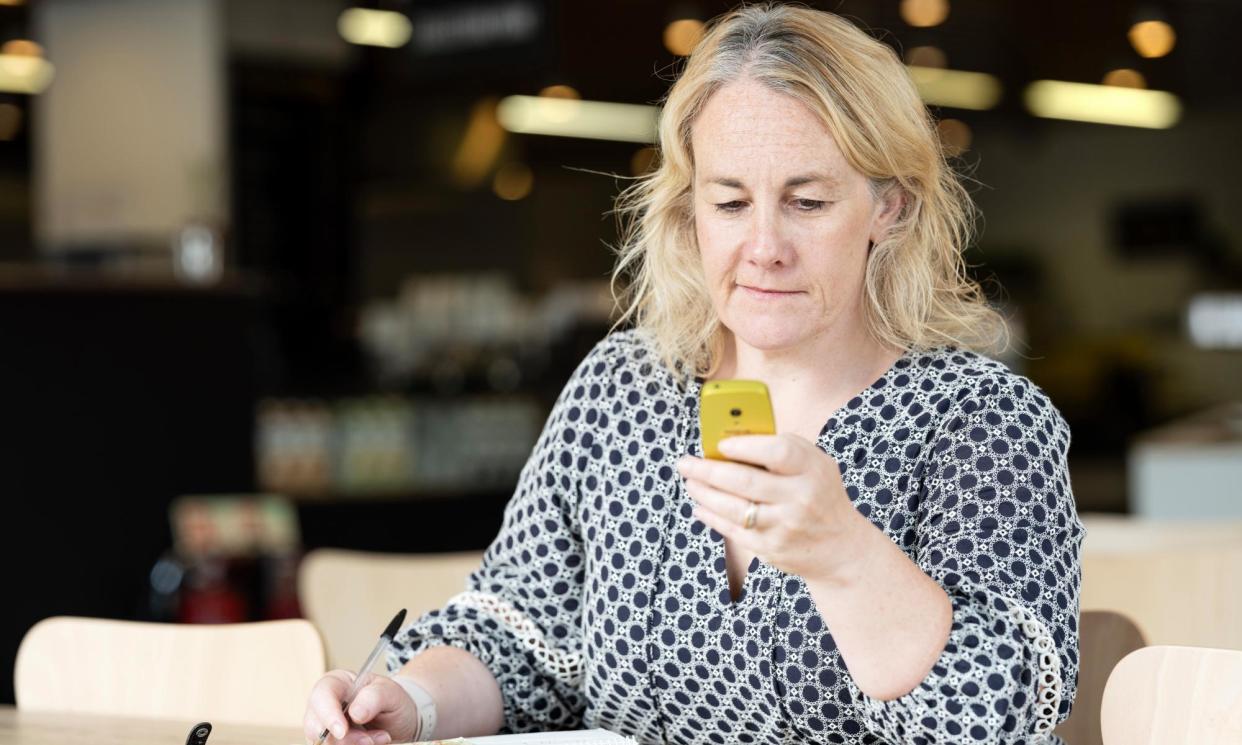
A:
(381, 738)
(338, 731)
(366, 741)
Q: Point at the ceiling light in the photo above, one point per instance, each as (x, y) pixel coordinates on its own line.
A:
(681, 36)
(1214, 320)
(955, 135)
(480, 146)
(926, 56)
(643, 161)
(23, 74)
(597, 120)
(1103, 104)
(1125, 78)
(561, 91)
(956, 88)
(924, 13)
(376, 28)
(21, 48)
(1152, 38)
(513, 182)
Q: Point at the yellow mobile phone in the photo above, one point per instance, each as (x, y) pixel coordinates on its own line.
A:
(733, 407)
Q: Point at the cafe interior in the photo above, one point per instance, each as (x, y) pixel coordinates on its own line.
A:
(288, 289)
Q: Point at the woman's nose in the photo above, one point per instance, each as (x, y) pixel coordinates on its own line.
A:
(767, 243)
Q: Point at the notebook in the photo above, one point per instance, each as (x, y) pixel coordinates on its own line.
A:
(580, 737)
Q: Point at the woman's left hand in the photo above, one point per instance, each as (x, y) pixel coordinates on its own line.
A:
(803, 521)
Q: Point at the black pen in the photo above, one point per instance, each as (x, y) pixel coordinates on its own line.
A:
(384, 640)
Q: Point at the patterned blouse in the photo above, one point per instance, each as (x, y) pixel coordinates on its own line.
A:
(603, 603)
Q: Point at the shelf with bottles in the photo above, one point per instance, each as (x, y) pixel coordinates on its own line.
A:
(394, 446)
(450, 334)
(469, 367)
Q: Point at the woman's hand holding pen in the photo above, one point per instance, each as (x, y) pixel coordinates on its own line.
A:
(381, 712)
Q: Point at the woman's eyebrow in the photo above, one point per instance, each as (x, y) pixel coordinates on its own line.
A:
(792, 181)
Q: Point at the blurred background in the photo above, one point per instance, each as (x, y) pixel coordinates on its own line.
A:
(278, 275)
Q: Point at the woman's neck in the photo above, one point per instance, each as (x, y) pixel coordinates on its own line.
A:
(810, 382)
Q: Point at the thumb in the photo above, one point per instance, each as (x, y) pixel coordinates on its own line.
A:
(380, 696)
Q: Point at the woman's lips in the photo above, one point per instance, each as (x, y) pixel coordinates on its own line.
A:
(765, 293)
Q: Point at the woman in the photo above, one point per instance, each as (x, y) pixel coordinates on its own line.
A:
(899, 564)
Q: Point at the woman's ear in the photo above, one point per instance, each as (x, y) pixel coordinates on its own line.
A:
(888, 207)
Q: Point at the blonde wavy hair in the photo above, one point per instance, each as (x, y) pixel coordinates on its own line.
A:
(918, 295)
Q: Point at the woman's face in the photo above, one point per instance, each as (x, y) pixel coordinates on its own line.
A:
(783, 221)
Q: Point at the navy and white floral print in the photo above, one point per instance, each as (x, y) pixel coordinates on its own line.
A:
(603, 603)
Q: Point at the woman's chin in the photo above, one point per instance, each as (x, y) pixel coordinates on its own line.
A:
(769, 337)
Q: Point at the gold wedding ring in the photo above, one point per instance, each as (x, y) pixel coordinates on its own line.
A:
(752, 514)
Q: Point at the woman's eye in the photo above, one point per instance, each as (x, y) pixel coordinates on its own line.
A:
(802, 205)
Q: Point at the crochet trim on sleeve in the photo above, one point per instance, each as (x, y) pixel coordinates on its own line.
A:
(1048, 695)
(563, 665)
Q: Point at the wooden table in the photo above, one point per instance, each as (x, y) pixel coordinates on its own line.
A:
(43, 728)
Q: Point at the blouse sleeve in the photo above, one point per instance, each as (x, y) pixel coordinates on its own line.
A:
(998, 530)
(520, 613)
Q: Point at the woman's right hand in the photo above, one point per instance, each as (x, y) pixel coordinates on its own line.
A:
(381, 713)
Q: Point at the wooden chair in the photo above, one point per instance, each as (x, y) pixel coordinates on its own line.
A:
(352, 595)
(1174, 696)
(246, 673)
(1104, 638)
(1179, 581)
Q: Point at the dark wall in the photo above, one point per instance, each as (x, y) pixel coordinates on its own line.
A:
(115, 401)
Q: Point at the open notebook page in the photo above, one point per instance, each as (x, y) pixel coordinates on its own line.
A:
(581, 737)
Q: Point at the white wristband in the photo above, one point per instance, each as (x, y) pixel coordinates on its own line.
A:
(424, 702)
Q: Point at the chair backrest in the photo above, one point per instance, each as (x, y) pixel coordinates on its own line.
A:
(1109, 533)
(246, 673)
(352, 595)
(1179, 581)
(1104, 638)
(1174, 696)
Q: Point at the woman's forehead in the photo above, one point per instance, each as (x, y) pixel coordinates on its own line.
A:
(823, 178)
(750, 106)
(747, 125)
